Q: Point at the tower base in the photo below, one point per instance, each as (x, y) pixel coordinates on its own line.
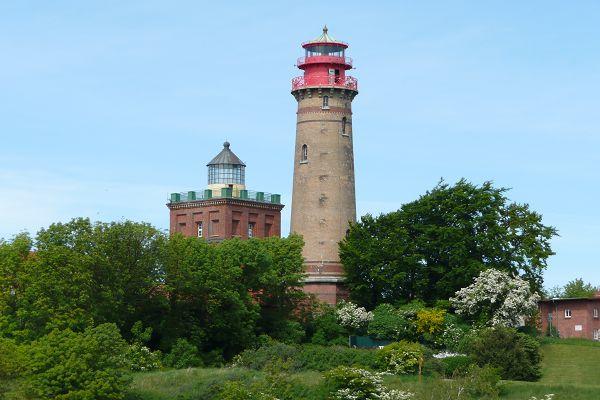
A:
(330, 290)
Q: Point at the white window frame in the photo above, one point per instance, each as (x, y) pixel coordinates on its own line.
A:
(568, 313)
(251, 229)
(325, 103)
(200, 229)
(595, 313)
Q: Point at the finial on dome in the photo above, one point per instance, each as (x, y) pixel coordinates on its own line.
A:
(325, 29)
(226, 144)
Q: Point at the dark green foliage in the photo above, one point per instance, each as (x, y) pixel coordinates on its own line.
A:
(516, 355)
(220, 296)
(12, 359)
(456, 365)
(182, 355)
(436, 245)
(86, 366)
(324, 328)
(306, 357)
(390, 323)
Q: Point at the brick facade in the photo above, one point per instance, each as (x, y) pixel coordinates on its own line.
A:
(573, 318)
(225, 218)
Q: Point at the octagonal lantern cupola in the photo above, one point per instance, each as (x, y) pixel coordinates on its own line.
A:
(226, 170)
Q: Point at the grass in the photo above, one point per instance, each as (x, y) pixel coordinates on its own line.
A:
(571, 370)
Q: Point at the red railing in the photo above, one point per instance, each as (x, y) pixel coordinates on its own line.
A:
(348, 82)
(324, 59)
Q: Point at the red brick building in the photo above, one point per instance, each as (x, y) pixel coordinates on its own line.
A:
(572, 318)
(225, 209)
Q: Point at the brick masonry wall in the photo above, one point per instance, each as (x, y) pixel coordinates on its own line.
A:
(323, 200)
(230, 213)
(581, 324)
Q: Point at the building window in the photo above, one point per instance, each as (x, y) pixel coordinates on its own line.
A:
(344, 126)
(567, 313)
(595, 313)
(200, 230)
(325, 102)
(304, 154)
(251, 229)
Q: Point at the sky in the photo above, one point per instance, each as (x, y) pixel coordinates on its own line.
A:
(108, 106)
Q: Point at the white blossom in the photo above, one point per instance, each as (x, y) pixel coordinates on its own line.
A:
(352, 316)
(508, 300)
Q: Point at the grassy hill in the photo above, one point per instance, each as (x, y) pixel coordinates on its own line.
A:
(571, 370)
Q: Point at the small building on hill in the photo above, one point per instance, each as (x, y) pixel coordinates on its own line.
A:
(225, 209)
(572, 318)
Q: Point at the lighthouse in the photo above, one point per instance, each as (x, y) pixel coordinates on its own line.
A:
(323, 199)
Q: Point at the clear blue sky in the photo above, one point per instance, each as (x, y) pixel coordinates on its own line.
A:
(108, 106)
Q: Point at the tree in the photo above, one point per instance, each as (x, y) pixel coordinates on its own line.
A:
(86, 366)
(577, 288)
(436, 245)
(78, 274)
(496, 298)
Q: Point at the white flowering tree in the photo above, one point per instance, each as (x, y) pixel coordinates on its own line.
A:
(353, 317)
(497, 298)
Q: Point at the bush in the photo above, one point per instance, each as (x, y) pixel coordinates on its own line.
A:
(345, 383)
(12, 359)
(391, 324)
(430, 321)
(183, 354)
(83, 366)
(325, 328)
(456, 365)
(306, 357)
(516, 355)
(141, 358)
(401, 357)
(482, 383)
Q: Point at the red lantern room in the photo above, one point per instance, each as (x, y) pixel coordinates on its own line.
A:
(324, 64)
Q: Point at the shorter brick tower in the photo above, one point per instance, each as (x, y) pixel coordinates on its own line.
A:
(225, 209)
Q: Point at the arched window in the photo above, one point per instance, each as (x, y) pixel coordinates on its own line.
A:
(344, 126)
(304, 155)
(325, 101)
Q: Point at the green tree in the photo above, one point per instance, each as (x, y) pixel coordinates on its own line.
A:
(436, 245)
(83, 366)
(77, 274)
(578, 288)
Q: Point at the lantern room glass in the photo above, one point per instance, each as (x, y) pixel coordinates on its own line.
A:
(226, 173)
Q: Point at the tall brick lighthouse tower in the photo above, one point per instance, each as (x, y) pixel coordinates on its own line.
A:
(323, 200)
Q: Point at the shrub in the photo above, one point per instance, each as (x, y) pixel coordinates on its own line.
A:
(347, 383)
(482, 382)
(183, 354)
(430, 321)
(391, 324)
(456, 365)
(401, 357)
(321, 358)
(12, 359)
(141, 358)
(83, 366)
(306, 357)
(516, 355)
(353, 317)
(326, 329)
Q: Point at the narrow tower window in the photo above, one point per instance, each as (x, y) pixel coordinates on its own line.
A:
(344, 126)
(325, 102)
(200, 230)
(304, 155)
